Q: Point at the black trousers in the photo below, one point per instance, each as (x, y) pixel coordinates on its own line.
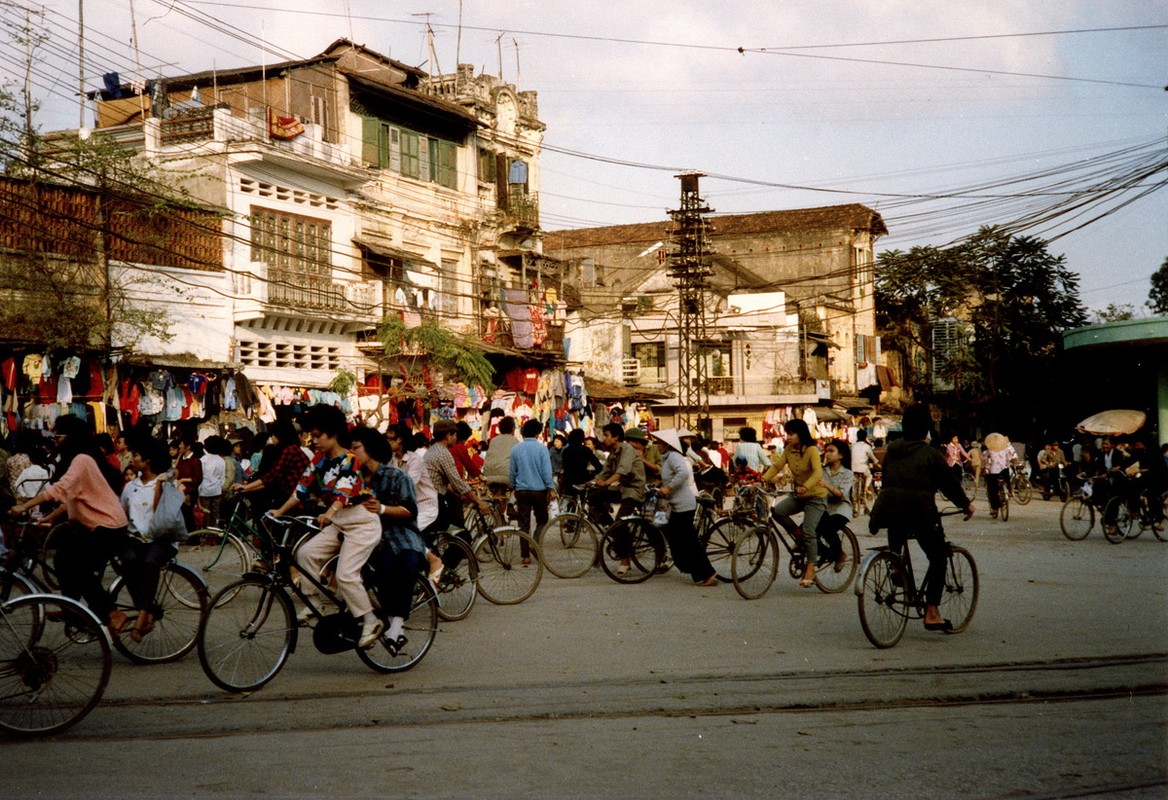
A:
(81, 560)
(932, 540)
(527, 501)
(688, 554)
(397, 573)
(828, 532)
(142, 564)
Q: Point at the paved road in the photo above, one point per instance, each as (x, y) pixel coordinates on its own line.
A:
(663, 690)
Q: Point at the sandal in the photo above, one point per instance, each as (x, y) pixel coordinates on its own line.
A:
(142, 627)
(808, 579)
(117, 623)
(623, 569)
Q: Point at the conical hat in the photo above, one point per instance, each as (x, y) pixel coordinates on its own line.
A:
(668, 436)
(683, 432)
(996, 441)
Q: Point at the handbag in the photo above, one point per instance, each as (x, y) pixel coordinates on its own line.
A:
(167, 524)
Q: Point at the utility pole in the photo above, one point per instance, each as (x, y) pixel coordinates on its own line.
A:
(689, 266)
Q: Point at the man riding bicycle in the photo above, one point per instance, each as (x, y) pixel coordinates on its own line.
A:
(913, 473)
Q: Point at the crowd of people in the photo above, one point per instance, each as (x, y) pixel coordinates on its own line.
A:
(130, 500)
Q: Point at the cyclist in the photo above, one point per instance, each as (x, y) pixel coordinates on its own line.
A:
(997, 468)
(402, 551)
(749, 456)
(84, 484)
(863, 459)
(801, 457)
(347, 527)
(277, 481)
(625, 468)
(913, 473)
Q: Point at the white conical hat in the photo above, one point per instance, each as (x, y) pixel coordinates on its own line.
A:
(669, 436)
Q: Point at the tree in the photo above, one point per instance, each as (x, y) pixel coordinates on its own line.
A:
(75, 215)
(1115, 312)
(1158, 296)
(427, 346)
(1015, 298)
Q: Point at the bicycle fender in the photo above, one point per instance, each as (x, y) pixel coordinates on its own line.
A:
(858, 583)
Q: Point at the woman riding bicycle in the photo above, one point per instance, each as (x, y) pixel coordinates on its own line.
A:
(85, 483)
(913, 473)
(801, 457)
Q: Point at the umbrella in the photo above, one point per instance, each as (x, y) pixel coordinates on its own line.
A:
(996, 441)
(1113, 422)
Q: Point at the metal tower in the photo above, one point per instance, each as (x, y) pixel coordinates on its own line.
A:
(689, 266)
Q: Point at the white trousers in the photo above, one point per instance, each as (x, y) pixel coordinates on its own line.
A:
(362, 530)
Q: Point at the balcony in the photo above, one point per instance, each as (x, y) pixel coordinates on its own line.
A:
(522, 207)
(263, 291)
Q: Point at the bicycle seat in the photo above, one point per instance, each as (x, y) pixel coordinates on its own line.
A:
(706, 500)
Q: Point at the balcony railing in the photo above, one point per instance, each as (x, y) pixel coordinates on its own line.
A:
(523, 206)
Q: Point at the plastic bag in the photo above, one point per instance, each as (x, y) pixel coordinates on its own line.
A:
(167, 524)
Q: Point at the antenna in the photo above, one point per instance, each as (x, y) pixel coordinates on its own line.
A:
(435, 69)
(499, 46)
(458, 41)
(518, 73)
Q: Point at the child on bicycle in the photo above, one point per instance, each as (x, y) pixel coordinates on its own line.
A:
(913, 473)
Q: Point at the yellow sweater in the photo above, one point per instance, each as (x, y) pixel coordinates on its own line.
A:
(804, 466)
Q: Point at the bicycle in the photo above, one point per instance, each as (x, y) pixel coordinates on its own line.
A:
(458, 586)
(632, 549)
(970, 482)
(1061, 484)
(1135, 513)
(1077, 516)
(178, 603)
(223, 554)
(863, 494)
(755, 560)
(508, 560)
(1020, 486)
(243, 644)
(569, 541)
(54, 663)
(888, 596)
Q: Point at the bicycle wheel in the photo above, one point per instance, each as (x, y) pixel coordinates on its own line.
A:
(503, 577)
(420, 630)
(719, 543)
(458, 587)
(883, 600)
(1076, 519)
(960, 598)
(832, 576)
(54, 664)
(968, 485)
(1004, 510)
(1023, 491)
(1118, 511)
(636, 541)
(754, 562)
(245, 643)
(219, 556)
(568, 545)
(178, 606)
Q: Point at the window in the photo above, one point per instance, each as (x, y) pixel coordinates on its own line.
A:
(448, 304)
(488, 166)
(285, 355)
(409, 153)
(652, 358)
(298, 252)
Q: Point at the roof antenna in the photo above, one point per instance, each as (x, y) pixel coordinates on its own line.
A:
(435, 69)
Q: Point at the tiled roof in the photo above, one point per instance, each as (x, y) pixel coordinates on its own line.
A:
(854, 216)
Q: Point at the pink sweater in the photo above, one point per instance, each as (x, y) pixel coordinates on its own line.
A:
(87, 497)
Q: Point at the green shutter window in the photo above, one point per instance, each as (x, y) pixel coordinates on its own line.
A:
(447, 164)
(371, 141)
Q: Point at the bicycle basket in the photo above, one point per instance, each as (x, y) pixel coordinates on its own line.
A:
(655, 510)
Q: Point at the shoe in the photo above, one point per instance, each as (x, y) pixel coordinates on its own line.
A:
(664, 566)
(526, 562)
(370, 631)
(944, 626)
(306, 615)
(143, 626)
(808, 579)
(840, 563)
(623, 569)
(994, 514)
(117, 623)
(710, 581)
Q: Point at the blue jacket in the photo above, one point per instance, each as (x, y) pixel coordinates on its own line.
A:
(531, 467)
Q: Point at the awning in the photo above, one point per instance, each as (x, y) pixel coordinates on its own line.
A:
(829, 414)
(385, 251)
(815, 336)
(600, 389)
(179, 361)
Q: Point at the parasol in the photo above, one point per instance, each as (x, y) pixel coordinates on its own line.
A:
(996, 441)
(1114, 422)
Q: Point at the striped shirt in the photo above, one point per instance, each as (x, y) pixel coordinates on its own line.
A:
(443, 472)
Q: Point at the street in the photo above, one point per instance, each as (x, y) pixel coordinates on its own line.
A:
(590, 689)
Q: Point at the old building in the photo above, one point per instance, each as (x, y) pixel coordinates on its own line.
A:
(794, 315)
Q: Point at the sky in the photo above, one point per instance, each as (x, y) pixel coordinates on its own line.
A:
(1026, 109)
